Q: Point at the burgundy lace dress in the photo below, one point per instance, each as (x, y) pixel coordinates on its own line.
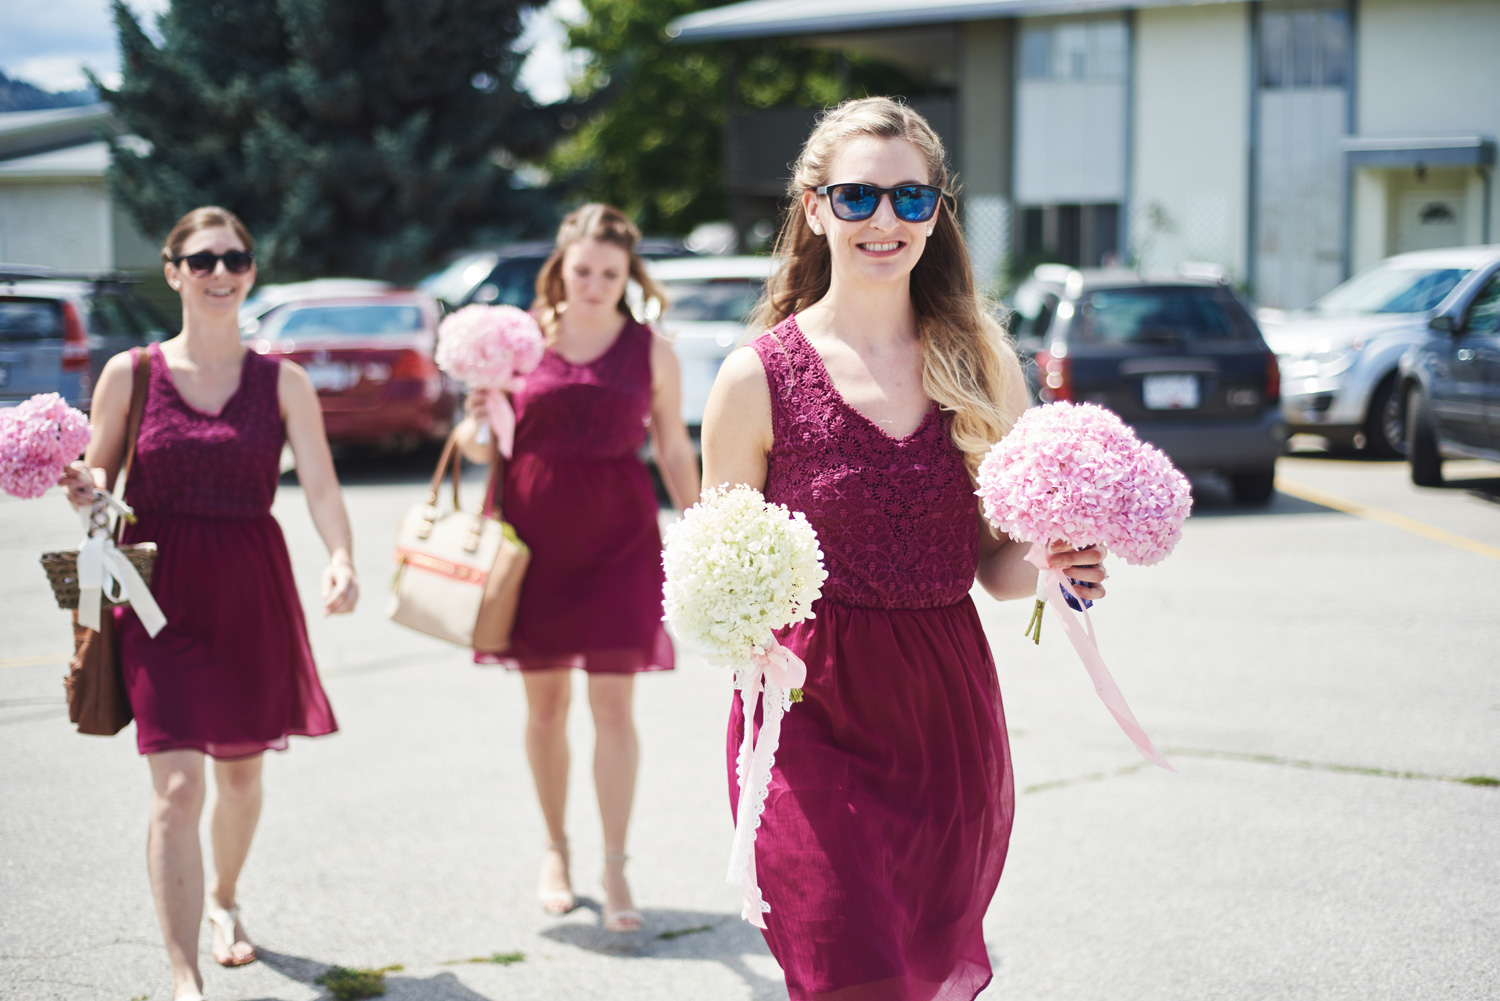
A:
(231, 675)
(890, 805)
(580, 497)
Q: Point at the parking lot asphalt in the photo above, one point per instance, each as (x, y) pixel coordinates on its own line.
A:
(1321, 672)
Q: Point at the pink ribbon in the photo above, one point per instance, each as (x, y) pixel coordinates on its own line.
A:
(1082, 636)
(502, 415)
(775, 672)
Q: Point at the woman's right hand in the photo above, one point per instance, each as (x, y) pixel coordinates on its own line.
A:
(78, 481)
(476, 406)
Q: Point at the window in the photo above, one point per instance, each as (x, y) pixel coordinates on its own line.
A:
(1162, 315)
(1484, 312)
(1074, 50)
(30, 320)
(728, 301)
(343, 320)
(1387, 289)
(1304, 48)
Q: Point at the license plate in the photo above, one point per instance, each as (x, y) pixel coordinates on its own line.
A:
(331, 377)
(1171, 392)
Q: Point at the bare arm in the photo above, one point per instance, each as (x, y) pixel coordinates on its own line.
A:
(669, 436)
(109, 413)
(304, 431)
(737, 433)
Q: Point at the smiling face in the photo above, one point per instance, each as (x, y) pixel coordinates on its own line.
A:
(594, 274)
(881, 248)
(219, 292)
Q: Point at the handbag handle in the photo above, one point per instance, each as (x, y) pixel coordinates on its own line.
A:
(140, 387)
(450, 464)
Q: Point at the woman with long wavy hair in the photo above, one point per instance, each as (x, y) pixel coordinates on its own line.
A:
(868, 403)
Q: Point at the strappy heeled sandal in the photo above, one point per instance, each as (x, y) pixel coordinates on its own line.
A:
(558, 902)
(224, 921)
(620, 922)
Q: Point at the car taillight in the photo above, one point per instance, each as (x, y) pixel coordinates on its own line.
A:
(1054, 377)
(414, 366)
(1273, 378)
(75, 346)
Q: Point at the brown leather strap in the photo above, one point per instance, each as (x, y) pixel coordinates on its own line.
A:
(494, 489)
(450, 463)
(140, 386)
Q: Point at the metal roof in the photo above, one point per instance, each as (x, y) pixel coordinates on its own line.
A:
(90, 160)
(769, 18)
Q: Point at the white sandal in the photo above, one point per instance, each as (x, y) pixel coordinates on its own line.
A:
(558, 902)
(624, 921)
(224, 920)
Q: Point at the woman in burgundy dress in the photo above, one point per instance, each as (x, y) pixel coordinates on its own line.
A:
(231, 674)
(579, 496)
(867, 405)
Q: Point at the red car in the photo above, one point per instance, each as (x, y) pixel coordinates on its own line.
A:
(370, 358)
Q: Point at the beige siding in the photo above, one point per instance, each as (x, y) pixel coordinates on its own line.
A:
(62, 224)
(1189, 166)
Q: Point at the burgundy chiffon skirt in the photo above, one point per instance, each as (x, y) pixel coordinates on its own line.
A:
(232, 674)
(592, 597)
(890, 807)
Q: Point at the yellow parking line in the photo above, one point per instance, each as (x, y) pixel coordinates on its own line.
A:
(42, 660)
(1391, 518)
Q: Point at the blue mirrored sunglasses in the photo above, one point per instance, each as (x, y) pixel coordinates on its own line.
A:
(854, 202)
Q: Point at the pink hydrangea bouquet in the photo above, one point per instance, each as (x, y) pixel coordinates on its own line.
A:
(490, 349)
(38, 439)
(1078, 474)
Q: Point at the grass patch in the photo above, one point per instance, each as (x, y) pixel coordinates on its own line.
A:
(679, 932)
(345, 984)
(1480, 780)
(498, 958)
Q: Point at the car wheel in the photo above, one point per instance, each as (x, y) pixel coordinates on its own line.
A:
(1421, 443)
(1254, 488)
(1385, 424)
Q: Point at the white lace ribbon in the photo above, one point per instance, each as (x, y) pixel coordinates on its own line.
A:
(773, 673)
(103, 569)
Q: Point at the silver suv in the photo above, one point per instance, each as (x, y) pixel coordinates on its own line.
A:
(57, 331)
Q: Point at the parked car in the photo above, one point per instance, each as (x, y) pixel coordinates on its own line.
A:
(511, 280)
(57, 331)
(265, 298)
(452, 283)
(1450, 381)
(1179, 359)
(711, 299)
(1339, 357)
(370, 357)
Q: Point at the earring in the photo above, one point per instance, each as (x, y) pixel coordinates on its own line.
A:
(929, 230)
(817, 230)
(177, 285)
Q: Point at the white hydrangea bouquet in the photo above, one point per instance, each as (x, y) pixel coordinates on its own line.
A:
(738, 568)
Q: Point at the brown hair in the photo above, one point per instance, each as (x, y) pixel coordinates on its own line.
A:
(968, 366)
(201, 218)
(594, 221)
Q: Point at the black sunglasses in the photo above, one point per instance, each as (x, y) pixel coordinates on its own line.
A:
(857, 202)
(236, 262)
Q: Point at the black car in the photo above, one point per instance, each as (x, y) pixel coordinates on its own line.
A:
(1179, 359)
(1451, 384)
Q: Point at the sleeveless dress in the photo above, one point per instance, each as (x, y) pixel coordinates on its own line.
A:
(578, 494)
(891, 800)
(232, 674)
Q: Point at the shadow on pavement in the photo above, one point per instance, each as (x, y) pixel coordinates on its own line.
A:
(717, 937)
(439, 987)
(1212, 498)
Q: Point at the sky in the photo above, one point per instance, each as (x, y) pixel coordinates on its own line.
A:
(46, 42)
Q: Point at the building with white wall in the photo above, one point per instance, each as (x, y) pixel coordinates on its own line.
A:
(1289, 142)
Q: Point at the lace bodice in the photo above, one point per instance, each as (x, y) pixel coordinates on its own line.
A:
(223, 465)
(896, 518)
(599, 410)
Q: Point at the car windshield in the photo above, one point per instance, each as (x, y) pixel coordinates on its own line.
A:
(1171, 314)
(29, 320)
(728, 300)
(337, 321)
(1390, 289)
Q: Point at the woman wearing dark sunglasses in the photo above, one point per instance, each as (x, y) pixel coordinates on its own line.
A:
(231, 675)
(868, 404)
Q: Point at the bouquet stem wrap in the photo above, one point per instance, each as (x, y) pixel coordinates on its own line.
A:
(773, 673)
(502, 416)
(103, 569)
(1081, 634)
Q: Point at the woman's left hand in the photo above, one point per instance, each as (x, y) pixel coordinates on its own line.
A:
(1085, 567)
(340, 589)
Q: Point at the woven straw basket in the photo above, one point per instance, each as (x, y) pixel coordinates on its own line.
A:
(62, 571)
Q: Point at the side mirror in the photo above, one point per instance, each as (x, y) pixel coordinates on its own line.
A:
(1443, 324)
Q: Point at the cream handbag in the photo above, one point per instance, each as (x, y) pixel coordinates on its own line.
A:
(458, 576)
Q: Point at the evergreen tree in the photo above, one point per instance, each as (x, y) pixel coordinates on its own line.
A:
(655, 147)
(354, 137)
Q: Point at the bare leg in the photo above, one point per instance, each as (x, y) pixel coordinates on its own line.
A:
(236, 812)
(174, 861)
(616, 757)
(547, 696)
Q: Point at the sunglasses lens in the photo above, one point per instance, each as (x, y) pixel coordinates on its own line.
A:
(237, 261)
(200, 264)
(915, 203)
(853, 202)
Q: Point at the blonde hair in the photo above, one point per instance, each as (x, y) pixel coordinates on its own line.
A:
(201, 218)
(968, 366)
(594, 221)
